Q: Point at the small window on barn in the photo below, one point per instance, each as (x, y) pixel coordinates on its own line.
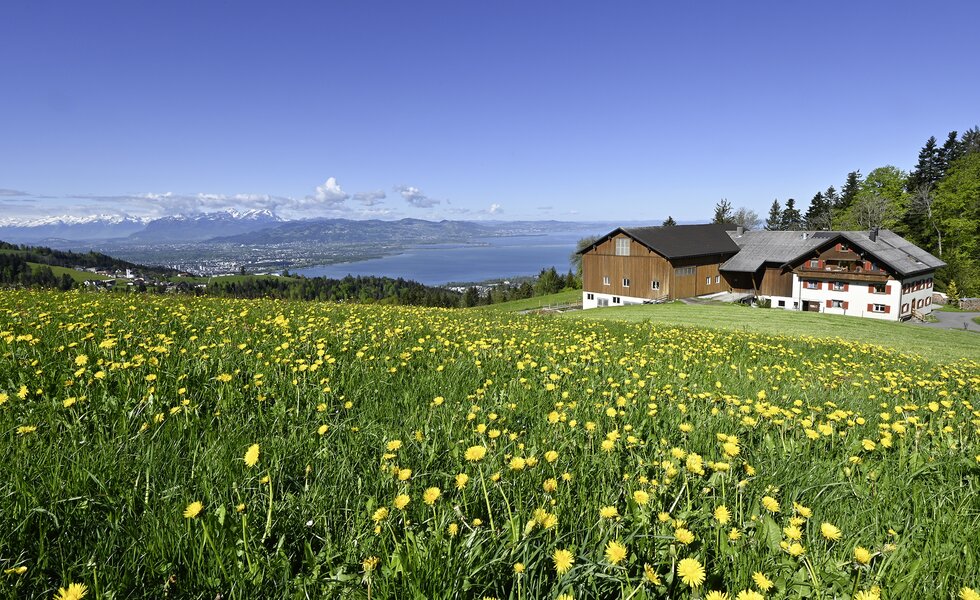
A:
(622, 246)
(616, 300)
(626, 282)
(605, 280)
(707, 280)
(654, 285)
(814, 263)
(781, 304)
(844, 247)
(590, 296)
(717, 278)
(878, 308)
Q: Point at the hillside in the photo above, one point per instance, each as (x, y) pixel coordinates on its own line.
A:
(207, 447)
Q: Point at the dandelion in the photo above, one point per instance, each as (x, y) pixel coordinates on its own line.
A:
(452, 530)
(461, 480)
(608, 512)
(683, 535)
(830, 532)
(795, 549)
(517, 464)
(550, 485)
(322, 429)
(734, 534)
(252, 455)
(475, 453)
(74, 591)
(862, 555)
(192, 510)
(615, 552)
(722, 515)
(770, 504)
(15, 570)
(651, 575)
(691, 572)
(641, 497)
(716, 595)
(749, 595)
(563, 560)
(26, 429)
(393, 445)
(380, 515)
(518, 568)
(969, 594)
(431, 495)
(872, 594)
(370, 563)
(761, 581)
(404, 474)
(793, 532)
(551, 456)
(401, 501)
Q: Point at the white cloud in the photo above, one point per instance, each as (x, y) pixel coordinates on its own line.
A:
(330, 193)
(415, 197)
(369, 198)
(495, 209)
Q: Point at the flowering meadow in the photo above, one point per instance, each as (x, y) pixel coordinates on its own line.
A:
(200, 448)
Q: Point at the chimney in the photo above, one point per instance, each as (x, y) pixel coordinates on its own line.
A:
(873, 234)
(739, 231)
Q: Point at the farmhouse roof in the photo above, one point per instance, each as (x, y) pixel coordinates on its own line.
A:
(679, 241)
(785, 247)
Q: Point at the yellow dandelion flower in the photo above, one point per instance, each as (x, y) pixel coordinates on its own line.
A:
(749, 595)
(770, 504)
(615, 552)
(867, 595)
(761, 581)
(550, 485)
(608, 512)
(716, 595)
(74, 591)
(461, 480)
(969, 594)
(830, 532)
(252, 455)
(793, 532)
(796, 549)
(393, 445)
(563, 560)
(431, 495)
(691, 572)
(475, 453)
(322, 429)
(683, 535)
(370, 563)
(380, 515)
(651, 575)
(452, 530)
(15, 570)
(722, 515)
(518, 568)
(517, 464)
(641, 497)
(862, 555)
(192, 510)
(551, 456)
(734, 534)
(401, 501)
(26, 429)
(404, 474)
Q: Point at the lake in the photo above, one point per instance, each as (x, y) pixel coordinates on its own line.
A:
(487, 258)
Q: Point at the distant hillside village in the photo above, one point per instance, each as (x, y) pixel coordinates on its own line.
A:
(875, 274)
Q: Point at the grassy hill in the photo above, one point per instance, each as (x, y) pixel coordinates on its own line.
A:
(936, 344)
(199, 447)
(73, 273)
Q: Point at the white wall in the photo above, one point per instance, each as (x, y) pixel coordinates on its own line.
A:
(596, 297)
(913, 296)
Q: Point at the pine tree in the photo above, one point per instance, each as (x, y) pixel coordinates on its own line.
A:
(791, 219)
(775, 220)
(952, 295)
(670, 222)
(929, 168)
(969, 143)
(723, 212)
(850, 191)
(947, 154)
(818, 214)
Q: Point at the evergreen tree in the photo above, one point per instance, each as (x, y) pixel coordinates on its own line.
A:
(670, 222)
(831, 197)
(850, 191)
(929, 168)
(747, 218)
(775, 220)
(969, 143)
(952, 295)
(818, 214)
(947, 154)
(791, 219)
(723, 212)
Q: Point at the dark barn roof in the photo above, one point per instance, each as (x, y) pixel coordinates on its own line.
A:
(679, 241)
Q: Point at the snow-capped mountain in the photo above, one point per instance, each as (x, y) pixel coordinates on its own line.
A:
(137, 229)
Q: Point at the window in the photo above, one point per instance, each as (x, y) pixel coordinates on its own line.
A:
(717, 278)
(590, 296)
(813, 285)
(605, 280)
(781, 304)
(836, 304)
(838, 286)
(814, 263)
(905, 307)
(616, 300)
(878, 288)
(684, 271)
(622, 246)
(707, 280)
(844, 247)
(878, 308)
(626, 282)
(654, 285)
(603, 302)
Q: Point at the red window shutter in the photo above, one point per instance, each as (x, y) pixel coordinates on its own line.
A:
(888, 289)
(888, 309)
(871, 289)
(871, 307)
(829, 303)
(845, 287)
(845, 304)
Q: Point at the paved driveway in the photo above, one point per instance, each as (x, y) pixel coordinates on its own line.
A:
(954, 320)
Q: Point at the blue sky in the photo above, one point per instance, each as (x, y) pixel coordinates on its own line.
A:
(510, 110)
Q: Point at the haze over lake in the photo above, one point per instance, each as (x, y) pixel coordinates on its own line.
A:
(484, 259)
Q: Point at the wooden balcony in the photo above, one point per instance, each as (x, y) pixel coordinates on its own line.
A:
(842, 275)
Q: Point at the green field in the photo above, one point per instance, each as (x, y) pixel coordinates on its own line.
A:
(78, 276)
(184, 447)
(562, 298)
